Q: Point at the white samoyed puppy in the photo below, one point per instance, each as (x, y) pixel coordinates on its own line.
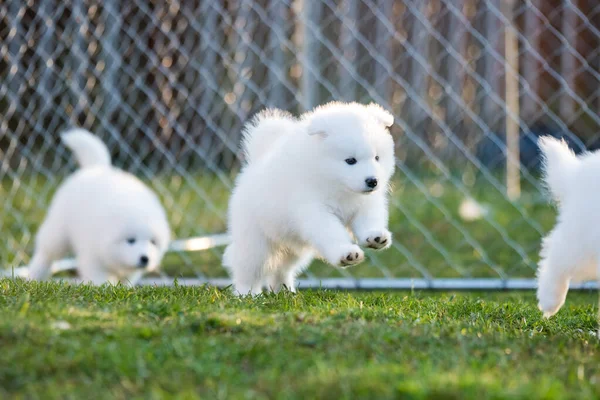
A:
(571, 251)
(309, 184)
(114, 224)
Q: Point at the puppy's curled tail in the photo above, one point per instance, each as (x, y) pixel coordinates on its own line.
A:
(559, 164)
(263, 131)
(88, 149)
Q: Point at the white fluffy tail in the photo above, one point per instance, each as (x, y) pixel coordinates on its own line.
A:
(559, 163)
(264, 130)
(88, 149)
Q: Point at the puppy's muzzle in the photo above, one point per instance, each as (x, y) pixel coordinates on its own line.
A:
(371, 183)
(143, 263)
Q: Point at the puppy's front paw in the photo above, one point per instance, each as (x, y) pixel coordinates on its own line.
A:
(552, 291)
(549, 307)
(378, 240)
(350, 255)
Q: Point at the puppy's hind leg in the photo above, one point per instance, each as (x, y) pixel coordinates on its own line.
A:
(51, 244)
(246, 261)
(553, 274)
(285, 275)
(90, 271)
(132, 279)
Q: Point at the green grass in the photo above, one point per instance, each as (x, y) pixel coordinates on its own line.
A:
(65, 341)
(424, 218)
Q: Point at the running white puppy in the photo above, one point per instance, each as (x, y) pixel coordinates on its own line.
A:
(109, 219)
(570, 252)
(306, 183)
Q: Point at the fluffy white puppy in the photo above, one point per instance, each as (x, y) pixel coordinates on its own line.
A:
(571, 250)
(306, 184)
(109, 219)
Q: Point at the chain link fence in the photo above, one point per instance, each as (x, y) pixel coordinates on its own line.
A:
(169, 84)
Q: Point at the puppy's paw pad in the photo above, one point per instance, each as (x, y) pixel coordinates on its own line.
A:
(351, 256)
(378, 240)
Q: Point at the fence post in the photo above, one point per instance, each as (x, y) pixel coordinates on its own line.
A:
(15, 40)
(311, 15)
(80, 61)
(276, 91)
(381, 80)
(568, 63)
(531, 66)
(348, 45)
(456, 73)
(112, 19)
(418, 76)
(511, 57)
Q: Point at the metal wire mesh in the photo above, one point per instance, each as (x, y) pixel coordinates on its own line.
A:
(169, 84)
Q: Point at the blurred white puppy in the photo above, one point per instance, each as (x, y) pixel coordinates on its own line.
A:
(305, 184)
(571, 251)
(109, 219)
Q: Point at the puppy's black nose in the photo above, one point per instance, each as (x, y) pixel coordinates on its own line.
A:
(143, 261)
(371, 182)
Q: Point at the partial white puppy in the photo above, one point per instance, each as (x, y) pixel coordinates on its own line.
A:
(571, 251)
(306, 184)
(109, 219)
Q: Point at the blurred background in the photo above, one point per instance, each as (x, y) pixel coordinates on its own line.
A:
(168, 86)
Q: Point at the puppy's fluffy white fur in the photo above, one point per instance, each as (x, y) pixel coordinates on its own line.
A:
(301, 194)
(109, 219)
(571, 250)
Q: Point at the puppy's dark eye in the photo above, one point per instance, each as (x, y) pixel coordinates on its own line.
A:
(376, 158)
(153, 241)
(131, 240)
(350, 161)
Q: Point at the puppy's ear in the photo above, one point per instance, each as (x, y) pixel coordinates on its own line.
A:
(320, 133)
(318, 128)
(381, 114)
